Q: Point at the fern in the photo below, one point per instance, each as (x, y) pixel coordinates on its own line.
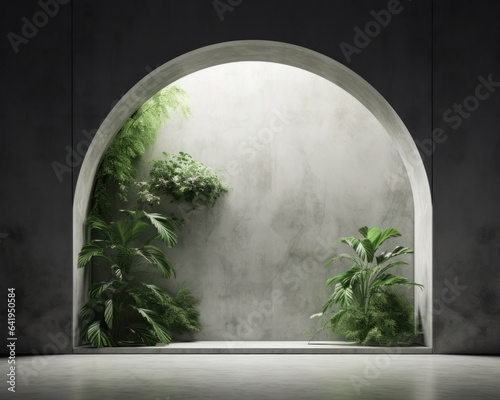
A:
(117, 169)
(389, 321)
(178, 311)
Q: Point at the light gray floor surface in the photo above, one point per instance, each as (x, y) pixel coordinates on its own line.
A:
(254, 376)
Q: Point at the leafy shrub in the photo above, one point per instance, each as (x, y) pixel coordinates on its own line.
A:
(117, 168)
(124, 310)
(371, 312)
(184, 179)
(388, 321)
(180, 313)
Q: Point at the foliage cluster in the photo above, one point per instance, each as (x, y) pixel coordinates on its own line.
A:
(124, 310)
(184, 179)
(388, 321)
(371, 311)
(117, 169)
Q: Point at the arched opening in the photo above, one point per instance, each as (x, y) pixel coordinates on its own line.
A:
(293, 56)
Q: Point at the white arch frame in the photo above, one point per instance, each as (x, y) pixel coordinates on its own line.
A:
(276, 52)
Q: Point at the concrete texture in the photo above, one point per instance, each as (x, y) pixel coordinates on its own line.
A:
(35, 207)
(109, 58)
(388, 376)
(466, 181)
(307, 163)
(295, 56)
(301, 58)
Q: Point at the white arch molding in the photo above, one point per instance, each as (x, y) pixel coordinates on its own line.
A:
(276, 52)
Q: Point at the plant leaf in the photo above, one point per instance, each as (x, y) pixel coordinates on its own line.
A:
(342, 295)
(373, 234)
(392, 265)
(338, 316)
(381, 237)
(340, 257)
(108, 313)
(96, 335)
(88, 252)
(117, 272)
(364, 231)
(351, 241)
(156, 258)
(391, 280)
(97, 288)
(164, 227)
(399, 250)
(161, 330)
(87, 313)
(95, 222)
(144, 332)
(364, 249)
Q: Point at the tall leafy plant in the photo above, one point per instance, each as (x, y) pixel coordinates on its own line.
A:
(370, 312)
(124, 310)
(140, 130)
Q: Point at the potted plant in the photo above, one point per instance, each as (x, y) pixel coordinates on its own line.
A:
(371, 311)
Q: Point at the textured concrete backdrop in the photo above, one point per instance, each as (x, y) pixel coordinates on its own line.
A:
(307, 163)
(67, 76)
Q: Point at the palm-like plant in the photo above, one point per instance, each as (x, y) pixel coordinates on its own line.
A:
(365, 287)
(123, 309)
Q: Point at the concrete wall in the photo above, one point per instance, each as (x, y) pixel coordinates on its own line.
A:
(307, 163)
(111, 45)
(35, 206)
(466, 178)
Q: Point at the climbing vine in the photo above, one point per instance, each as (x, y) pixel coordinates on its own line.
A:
(117, 169)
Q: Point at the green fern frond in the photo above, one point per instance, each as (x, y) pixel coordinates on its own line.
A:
(139, 131)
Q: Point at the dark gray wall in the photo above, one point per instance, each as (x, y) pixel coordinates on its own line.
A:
(116, 42)
(35, 208)
(466, 179)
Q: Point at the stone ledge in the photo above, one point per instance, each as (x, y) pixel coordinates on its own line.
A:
(255, 347)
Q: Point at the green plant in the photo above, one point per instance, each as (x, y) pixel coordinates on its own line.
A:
(184, 180)
(371, 312)
(123, 309)
(140, 130)
(388, 321)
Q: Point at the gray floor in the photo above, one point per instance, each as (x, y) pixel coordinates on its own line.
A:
(285, 376)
